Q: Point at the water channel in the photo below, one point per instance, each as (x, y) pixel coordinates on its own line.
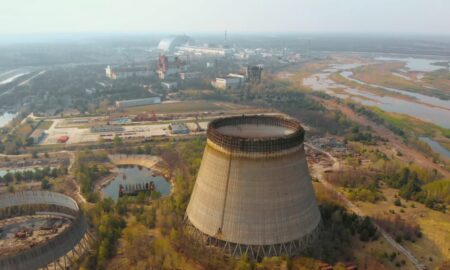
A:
(438, 148)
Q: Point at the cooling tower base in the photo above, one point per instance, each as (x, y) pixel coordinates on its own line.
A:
(256, 252)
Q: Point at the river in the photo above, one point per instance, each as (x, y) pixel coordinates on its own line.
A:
(429, 109)
(438, 148)
(417, 64)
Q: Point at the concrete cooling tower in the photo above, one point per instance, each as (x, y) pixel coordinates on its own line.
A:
(253, 193)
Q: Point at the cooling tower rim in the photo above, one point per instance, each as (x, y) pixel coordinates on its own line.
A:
(266, 144)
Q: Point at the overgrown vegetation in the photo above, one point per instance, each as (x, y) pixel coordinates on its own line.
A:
(411, 182)
(43, 175)
(438, 191)
(399, 228)
(154, 236)
(409, 128)
(88, 169)
(108, 219)
(338, 229)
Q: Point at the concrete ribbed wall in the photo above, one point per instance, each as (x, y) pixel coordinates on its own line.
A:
(253, 198)
(30, 202)
(37, 197)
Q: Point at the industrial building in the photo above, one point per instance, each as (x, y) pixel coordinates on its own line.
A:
(37, 136)
(169, 85)
(107, 128)
(127, 72)
(232, 81)
(253, 194)
(203, 50)
(169, 65)
(178, 128)
(169, 44)
(241, 77)
(190, 75)
(137, 102)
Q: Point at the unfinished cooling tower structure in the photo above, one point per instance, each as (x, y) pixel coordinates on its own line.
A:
(253, 193)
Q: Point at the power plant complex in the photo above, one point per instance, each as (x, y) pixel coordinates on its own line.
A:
(253, 193)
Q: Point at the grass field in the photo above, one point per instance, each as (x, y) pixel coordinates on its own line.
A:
(417, 126)
(365, 254)
(439, 79)
(409, 123)
(45, 124)
(374, 90)
(295, 77)
(435, 226)
(377, 249)
(382, 74)
(179, 107)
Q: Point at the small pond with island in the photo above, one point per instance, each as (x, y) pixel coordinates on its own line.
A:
(131, 178)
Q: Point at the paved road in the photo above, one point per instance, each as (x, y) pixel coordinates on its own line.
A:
(414, 260)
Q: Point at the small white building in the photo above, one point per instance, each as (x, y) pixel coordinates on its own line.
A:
(239, 76)
(127, 72)
(232, 81)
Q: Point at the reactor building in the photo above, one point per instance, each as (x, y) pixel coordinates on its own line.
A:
(170, 44)
(253, 192)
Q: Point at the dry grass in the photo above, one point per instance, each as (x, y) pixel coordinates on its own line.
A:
(365, 253)
(439, 79)
(435, 226)
(382, 74)
(178, 107)
(338, 78)
(372, 255)
(120, 261)
(296, 77)
(45, 124)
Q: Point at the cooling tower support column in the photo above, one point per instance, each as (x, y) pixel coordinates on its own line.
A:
(226, 194)
(253, 193)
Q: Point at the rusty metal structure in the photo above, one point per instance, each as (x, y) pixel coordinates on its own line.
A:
(58, 252)
(253, 193)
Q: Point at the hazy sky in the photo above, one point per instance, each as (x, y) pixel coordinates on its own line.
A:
(187, 16)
